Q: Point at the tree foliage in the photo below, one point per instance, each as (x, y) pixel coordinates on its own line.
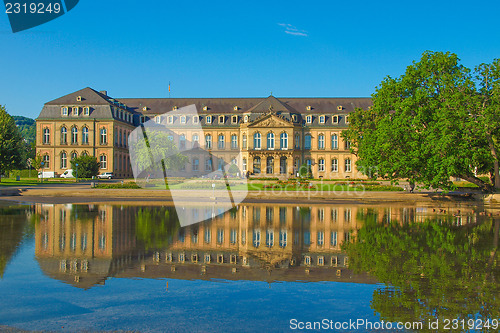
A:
(436, 121)
(156, 227)
(159, 146)
(12, 148)
(434, 269)
(88, 166)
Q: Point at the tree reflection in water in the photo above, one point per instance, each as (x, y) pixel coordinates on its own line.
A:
(156, 227)
(433, 269)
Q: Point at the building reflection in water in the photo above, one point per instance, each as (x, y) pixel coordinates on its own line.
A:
(85, 244)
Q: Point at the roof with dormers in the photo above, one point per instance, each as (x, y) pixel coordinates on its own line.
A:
(290, 109)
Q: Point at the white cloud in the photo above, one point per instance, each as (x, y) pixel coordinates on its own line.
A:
(292, 30)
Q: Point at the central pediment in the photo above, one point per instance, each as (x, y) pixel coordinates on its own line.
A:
(271, 120)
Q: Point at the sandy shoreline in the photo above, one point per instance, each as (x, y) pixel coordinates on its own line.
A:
(82, 193)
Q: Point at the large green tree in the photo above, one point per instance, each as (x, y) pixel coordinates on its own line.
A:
(88, 166)
(156, 151)
(12, 148)
(432, 269)
(433, 123)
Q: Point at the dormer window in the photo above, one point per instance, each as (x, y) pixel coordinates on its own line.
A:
(144, 108)
(143, 119)
(234, 119)
(308, 108)
(347, 119)
(183, 119)
(75, 111)
(294, 117)
(86, 111)
(309, 119)
(64, 110)
(235, 108)
(221, 119)
(208, 120)
(170, 119)
(196, 120)
(321, 119)
(205, 108)
(245, 119)
(158, 119)
(335, 119)
(340, 108)
(174, 108)
(79, 98)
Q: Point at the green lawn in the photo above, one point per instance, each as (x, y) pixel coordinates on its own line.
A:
(32, 181)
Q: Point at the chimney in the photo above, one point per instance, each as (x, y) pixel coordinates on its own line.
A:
(104, 92)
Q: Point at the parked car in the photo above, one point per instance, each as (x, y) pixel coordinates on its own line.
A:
(46, 174)
(106, 175)
(68, 174)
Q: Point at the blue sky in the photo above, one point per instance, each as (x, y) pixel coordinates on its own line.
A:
(235, 49)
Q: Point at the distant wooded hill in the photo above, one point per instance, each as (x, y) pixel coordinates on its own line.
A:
(27, 127)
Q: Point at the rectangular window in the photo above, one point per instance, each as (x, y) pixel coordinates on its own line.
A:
(221, 119)
(347, 165)
(75, 111)
(234, 119)
(196, 120)
(244, 141)
(208, 120)
(208, 164)
(170, 119)
(208, 236)
(220, 236)
(321, 238)
(335, 141)
(183, 119)
(65, 111)
(335, 119)
(321, 141)
(321, 165)
(233, 236)
(234, 142)
(208, 142)
(333, 238)
(321, 119)
(196, 164)
(307, 143)
(335, 165)
(309, 119)
(86, 111)
(220, 143)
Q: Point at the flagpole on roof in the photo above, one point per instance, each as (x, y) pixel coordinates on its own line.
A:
(168, 89)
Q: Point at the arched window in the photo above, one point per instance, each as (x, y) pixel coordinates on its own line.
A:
(284, 140)
(85, 153)
(220, 142)
(256, 140)
(256, 165)
(74, 155)
(208, 141)
(270, 140)
(85, 136)
(347, 144)
(103, 159)
(64, 135)
(104, 136)
(335, 141)
(307, 141)
(46, 136)
(64, 160)
(74, 136)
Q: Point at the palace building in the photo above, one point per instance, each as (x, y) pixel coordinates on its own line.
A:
(265, 137)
